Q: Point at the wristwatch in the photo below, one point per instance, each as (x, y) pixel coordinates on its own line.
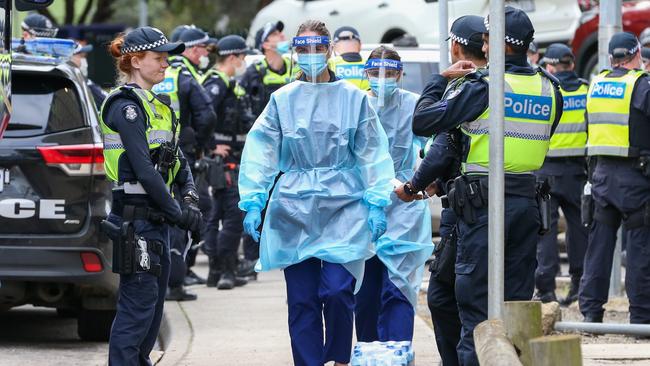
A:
(408, 189)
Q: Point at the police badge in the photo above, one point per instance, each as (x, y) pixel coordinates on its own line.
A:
(130, 113)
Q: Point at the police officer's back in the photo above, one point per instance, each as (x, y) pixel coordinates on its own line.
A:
(527, 134)
(618, 114)
(141, 156)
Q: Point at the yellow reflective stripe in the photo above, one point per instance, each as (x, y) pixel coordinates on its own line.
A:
(272, 78)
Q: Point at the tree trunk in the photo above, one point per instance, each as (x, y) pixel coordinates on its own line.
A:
(69, 12)
(104, 11)
(85, 12)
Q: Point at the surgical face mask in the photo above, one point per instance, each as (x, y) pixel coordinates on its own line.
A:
(241, 69)
(312, 64)
(204, 61)
(83, 66)
(389, 85)
(282, 47)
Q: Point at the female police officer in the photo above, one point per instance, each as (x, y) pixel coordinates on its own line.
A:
(141, 157)
(326, 138)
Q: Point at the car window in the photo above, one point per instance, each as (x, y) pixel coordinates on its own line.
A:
(43, 104)
(416, 75)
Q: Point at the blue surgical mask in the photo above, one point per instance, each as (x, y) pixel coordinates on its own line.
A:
(312, 63)
(389, 84)
(282, 47)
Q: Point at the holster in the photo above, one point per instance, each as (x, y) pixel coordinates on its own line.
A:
(638, 218)
(543, 189)
(587, 208)
(442, 267)
(216, 174)
(466, 195)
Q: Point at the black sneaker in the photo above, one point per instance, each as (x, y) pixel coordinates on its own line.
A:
(193, 279)
(545, 297)
(226, 282)
(572, 296)
(593, 318)
(179, 294)
(246, 268)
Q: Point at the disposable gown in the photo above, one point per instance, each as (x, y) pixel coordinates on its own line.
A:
(407, 244)
(333, 151)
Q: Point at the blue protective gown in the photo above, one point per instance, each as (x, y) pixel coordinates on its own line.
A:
(407, 244)
(333, 151)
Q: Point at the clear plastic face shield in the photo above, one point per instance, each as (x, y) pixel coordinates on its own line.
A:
(385, 77)
(311, 54)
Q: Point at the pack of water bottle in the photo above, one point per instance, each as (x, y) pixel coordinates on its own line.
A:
(383, 354)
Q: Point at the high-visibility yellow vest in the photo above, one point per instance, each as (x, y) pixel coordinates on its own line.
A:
(271, 78)
(159, 130)
(530, 109)
(237, 89)
(352, 72)
(169, 85)
(570, 137)
(608, 113)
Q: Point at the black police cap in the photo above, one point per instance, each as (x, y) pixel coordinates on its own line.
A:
(623, 44)
(39, 25)
(176, 33)
(263, 33)
(468, 30)
(232, 45)
(149, 39)
(557, 53)
(346, 33)
(193, 36)
(645, 53)
(519, 28)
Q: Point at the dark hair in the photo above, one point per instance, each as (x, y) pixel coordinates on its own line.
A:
(472, 52)
(123, 62)
(386, 52)
(317, 27)
(622, 60)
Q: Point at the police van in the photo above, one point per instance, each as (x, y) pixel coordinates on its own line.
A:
(53, 195)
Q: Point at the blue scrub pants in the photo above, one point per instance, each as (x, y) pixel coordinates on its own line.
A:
(382, 312)
(315, 290)
(140, 303)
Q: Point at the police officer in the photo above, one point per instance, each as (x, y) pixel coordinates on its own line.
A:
(37, 25)
(618, 113)
(441, 164)
(527, 136)
(197, 119)
(260, 80)
(645, 57)
(565, 170)
(140, 153)
(348, 64)
(79, 58)
(232, 106)
(533, 54)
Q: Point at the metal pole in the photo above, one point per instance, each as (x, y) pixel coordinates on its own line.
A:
(608, 24)
(615, 277)
(496, 174)
(443, 29)
(604, 328)
(144, 12)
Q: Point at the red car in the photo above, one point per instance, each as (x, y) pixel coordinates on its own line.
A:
(636, 18)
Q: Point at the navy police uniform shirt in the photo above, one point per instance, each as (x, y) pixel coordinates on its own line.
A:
(127, 117)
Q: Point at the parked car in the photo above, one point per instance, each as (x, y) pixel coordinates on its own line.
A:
(636, 18)
(53, 195)
(384, 21)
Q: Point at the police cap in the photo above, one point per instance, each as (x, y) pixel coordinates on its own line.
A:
(193, 36)
(264, 32)
(468, 30)
(623, 44)
(39, 26)
(232, 45)
(149, 39)
(346, 33)
(519, 28)
(558, 53)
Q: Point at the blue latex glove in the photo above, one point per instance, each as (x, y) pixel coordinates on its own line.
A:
(252, 221)
(377, 222)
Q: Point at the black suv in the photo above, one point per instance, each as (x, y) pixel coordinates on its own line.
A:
(53, 195)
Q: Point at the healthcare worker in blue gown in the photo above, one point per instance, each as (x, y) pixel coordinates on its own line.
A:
(327, 208)
(385, 304)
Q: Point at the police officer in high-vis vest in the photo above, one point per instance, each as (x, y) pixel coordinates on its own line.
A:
(142, 158)
(348, 64)
(260, 80)
(276, 69)
(197, 120)
(533, 107)
(618, 116)
(565, 170)
(230, 102)
(440, 165)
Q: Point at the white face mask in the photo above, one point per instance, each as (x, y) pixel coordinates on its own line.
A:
(241, 69)
(83, 67)
(204, 61)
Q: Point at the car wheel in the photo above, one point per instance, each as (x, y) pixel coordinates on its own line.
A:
(67, 313)
(591, 67)
(95, 325)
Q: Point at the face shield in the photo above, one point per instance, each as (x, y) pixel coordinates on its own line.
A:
(311, 55)
(384, 77)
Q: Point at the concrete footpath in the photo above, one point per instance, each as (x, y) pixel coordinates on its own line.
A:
(246, 326)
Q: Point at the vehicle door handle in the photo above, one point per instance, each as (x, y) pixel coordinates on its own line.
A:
(334, 13)
(382, 5)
